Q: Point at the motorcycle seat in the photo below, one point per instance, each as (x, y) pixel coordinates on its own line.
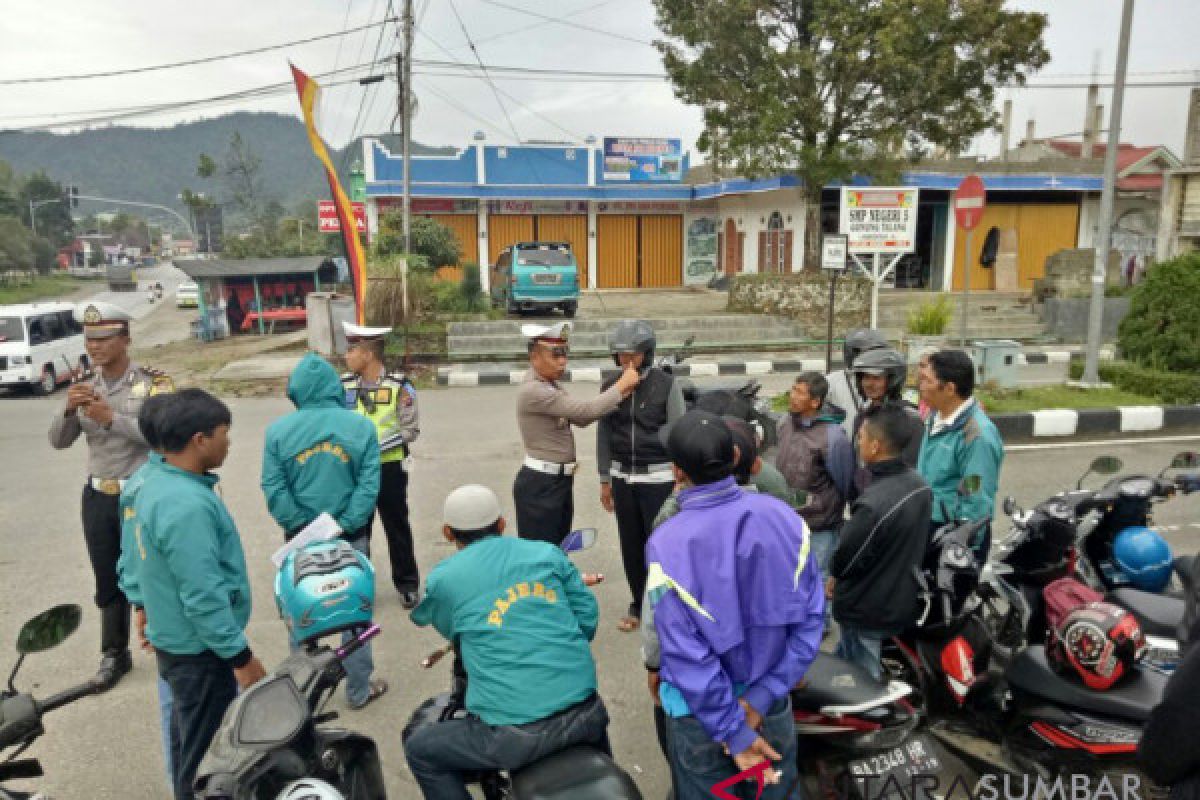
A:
(1131, 699)
(1159, 615)
(832, 683)
(577, 773)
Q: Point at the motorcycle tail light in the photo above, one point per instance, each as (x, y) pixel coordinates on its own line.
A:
(958, 666)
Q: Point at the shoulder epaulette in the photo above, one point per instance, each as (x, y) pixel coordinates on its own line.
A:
(160, 382)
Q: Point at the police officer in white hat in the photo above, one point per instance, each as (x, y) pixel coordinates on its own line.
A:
(104, 409)
(545, 414)
(389, 401)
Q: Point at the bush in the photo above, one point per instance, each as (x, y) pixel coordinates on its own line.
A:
(931, 318)
(434, 241)
(471, 289)
(1162, 329)
(1171, 388)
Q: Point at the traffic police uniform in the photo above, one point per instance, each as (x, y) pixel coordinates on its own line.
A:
(542, 491)
(114, 453)
(391, 406)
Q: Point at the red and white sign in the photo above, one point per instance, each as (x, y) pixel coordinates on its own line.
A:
(969, 201)
(328, 222)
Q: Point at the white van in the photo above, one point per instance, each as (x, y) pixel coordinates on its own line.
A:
(41, 346)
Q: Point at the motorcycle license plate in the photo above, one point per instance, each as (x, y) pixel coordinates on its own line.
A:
(893, 772)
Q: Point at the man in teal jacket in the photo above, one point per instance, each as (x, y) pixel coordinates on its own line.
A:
(323, 457)
(190, 577)
(959, 441)
(521, 618)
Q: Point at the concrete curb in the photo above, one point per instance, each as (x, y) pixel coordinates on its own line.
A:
(492, 376)
(1064, 422)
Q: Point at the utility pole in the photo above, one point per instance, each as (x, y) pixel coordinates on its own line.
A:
(32, 218)
(404, 74)
(1091, 367)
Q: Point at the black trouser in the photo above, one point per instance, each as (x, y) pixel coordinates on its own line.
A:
(102, 533)
(635, 506)
(544, 504)
(202, 687)
(393, 511)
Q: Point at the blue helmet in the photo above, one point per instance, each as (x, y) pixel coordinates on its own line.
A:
(1143, 557)
(323, 588)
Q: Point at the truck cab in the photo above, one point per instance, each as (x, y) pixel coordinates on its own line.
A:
(536, 276)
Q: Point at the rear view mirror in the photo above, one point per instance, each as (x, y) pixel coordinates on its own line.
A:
(1185, 460)
(1106, 465)
(970, 485)
(1010, 505)
(580, 539)
(49, 629)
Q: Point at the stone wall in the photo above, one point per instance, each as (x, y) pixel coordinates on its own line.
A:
(1069, 273)
(804, 297)
(1066, 318)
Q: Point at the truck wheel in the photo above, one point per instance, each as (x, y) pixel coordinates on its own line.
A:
(48, 382)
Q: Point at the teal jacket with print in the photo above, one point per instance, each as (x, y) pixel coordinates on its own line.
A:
(970, 446)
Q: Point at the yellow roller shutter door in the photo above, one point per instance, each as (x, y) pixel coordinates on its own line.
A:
(616, 251)
(505, 230)
(570, 228)
(662, 251)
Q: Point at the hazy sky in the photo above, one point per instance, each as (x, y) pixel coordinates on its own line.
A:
(56, 37)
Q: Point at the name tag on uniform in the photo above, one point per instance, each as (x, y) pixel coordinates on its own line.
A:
(383, 395)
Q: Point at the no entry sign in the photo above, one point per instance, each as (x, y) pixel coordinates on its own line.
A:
(969, 201)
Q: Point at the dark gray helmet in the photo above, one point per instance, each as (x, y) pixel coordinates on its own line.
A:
(859, 341)
(882, 361)
(632, 336)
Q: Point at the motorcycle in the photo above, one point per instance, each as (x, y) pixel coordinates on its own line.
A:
(275, 738)
(581, 772)
(1042, 722)
(1053, 540)
(21, 713)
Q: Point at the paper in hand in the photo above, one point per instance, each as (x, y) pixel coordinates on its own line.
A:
(320, 529)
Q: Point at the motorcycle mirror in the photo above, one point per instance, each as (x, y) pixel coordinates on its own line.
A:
(969, 485)
(1106, 465)
(1010, 505)
(580, 539)
(49, 629)
(1186, 460)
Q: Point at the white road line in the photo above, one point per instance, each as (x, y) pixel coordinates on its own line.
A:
(1018, 448)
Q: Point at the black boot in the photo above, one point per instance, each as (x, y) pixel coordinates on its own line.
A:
(114, 642)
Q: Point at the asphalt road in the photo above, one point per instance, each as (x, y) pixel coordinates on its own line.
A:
(108, 746)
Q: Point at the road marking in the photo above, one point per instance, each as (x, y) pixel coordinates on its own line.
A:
(1018, 448)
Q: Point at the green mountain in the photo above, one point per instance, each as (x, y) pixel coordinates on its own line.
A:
(154, 165)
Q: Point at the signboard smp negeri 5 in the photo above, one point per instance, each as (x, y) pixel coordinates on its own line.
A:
(643, 160)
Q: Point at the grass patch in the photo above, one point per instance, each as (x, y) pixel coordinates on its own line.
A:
(1008, 401)
(43, 287)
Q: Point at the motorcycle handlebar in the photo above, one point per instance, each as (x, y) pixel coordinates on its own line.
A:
(65, 697)
(357, 642)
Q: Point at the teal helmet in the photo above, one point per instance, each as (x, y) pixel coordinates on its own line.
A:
(323, 588)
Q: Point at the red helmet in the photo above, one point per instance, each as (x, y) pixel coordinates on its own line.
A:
(1099, 642)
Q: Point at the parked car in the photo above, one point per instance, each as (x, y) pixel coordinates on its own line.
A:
(536, 276)
(187, 295)
(41, 346)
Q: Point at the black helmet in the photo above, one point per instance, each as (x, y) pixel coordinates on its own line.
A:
(882, 361)
(858, 341)
(632, 336)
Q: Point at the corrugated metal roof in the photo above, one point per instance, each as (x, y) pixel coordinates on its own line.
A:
(235, 267)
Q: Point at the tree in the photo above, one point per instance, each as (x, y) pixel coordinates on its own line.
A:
(16, 247)
(429, 238)
(53, 218)
(45, 254)
(242, 174)
(832, 88)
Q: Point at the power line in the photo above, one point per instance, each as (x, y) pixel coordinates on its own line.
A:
(371, 91)
(188, 63)
(541, 24)
(561, 21)
(495, 91)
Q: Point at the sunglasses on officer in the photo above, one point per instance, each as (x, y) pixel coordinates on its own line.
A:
(558, 350)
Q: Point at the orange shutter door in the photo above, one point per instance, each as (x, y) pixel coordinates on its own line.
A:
(570, 228)
(1043, 230)
(466, 230)
(616, 251)
(1002, 217)
(662, 251)
(505, 230)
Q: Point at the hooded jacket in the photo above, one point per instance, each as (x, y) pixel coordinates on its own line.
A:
(738, 606)
(322, 456)
(815, 456)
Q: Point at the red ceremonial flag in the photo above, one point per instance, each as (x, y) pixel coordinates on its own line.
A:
(309, 92)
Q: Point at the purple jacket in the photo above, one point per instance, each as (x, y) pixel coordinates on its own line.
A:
(738, 603)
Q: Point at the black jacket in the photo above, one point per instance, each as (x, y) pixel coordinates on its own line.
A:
(885, 538)
(916, 431)
(632, 435)
(1169, 750)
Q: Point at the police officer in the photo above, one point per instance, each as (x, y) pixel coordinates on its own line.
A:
(545, 414)
(104, 409)
(389, 401)
(635, 470)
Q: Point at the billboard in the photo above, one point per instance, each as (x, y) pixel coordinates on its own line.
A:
(643, 160)
(328, 222)
(879, 219)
